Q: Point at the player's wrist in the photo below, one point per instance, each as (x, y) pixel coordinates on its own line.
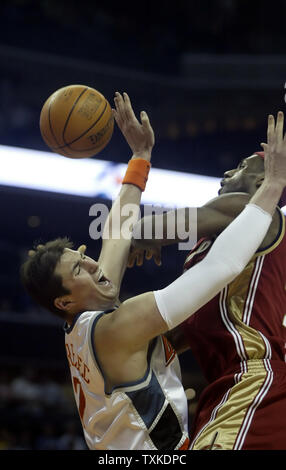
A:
(144, 154)
(268, 195)
(272, 185)
(137, 172)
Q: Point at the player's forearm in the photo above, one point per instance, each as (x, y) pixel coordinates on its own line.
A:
(117, 233)
(227, 258)
(175, 226)
(162, 229)
(125, 209)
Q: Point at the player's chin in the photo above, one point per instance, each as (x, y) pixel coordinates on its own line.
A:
(223, 190)
(108, 295)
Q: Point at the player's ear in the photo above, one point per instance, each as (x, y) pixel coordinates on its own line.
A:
(64, 303)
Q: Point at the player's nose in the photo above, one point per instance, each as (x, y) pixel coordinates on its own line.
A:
(229, 173)
(90, 265)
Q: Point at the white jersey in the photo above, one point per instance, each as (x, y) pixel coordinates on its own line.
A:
(148, 414)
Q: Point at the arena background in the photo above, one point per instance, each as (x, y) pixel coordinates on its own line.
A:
(208, 73)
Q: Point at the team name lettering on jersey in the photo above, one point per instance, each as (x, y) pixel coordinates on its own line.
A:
(76, 361)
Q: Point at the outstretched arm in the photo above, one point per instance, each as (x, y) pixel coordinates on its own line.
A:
(118, 227)
(211, 219)
(138, 320)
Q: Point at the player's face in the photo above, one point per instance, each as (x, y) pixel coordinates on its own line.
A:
(245, 178)
(83, 277)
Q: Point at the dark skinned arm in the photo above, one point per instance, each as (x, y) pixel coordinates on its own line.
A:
(212, 219)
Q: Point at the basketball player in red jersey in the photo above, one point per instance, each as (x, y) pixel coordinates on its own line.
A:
(238, 337)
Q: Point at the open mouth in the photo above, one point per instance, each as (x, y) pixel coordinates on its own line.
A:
(102, 280)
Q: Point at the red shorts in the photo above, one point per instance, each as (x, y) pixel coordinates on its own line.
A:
(245, 410)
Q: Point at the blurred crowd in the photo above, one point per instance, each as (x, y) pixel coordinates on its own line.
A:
(37, 411)
(116, 35)
(102, 30)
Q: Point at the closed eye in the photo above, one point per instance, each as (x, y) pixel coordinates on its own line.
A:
(241, 165)
(77, 265)
(82, 258)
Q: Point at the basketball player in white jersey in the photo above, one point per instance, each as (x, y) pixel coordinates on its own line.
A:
(125, 375)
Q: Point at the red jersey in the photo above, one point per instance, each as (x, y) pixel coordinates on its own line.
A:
(239, 339)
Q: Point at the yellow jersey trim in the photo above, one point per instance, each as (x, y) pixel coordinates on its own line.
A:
(278, 238)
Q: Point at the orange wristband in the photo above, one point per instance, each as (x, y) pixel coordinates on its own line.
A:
(137, 173)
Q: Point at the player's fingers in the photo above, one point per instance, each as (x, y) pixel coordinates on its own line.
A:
(115, 113)
(118, 101)
(157, 259)
(120, 105)
(265, 149)
(129, 113)
(117, 118)
(131, 261)
(145, 119)
(271, 130)
(148, 254)
(140, 259)
(147, 127)
(279, 126)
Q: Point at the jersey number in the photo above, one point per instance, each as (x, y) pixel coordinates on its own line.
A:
(80, 398)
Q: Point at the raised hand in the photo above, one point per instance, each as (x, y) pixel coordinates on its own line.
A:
(139, 136)
(275, 151)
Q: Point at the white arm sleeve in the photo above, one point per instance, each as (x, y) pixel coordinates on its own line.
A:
(228, 256)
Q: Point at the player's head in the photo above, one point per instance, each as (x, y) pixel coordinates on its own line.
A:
(66, 281)
(247, 177)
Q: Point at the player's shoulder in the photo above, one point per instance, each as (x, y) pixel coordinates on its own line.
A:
(81, 320)
(275, 234)
(132, 325)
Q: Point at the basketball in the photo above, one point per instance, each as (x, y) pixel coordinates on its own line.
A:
(76, 121)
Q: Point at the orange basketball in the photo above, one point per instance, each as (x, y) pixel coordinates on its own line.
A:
(76, 121)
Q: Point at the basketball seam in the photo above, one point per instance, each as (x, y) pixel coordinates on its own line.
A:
(86, 131)
(90, 148)
(50, 123)
(69, 115)
(72, 142)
